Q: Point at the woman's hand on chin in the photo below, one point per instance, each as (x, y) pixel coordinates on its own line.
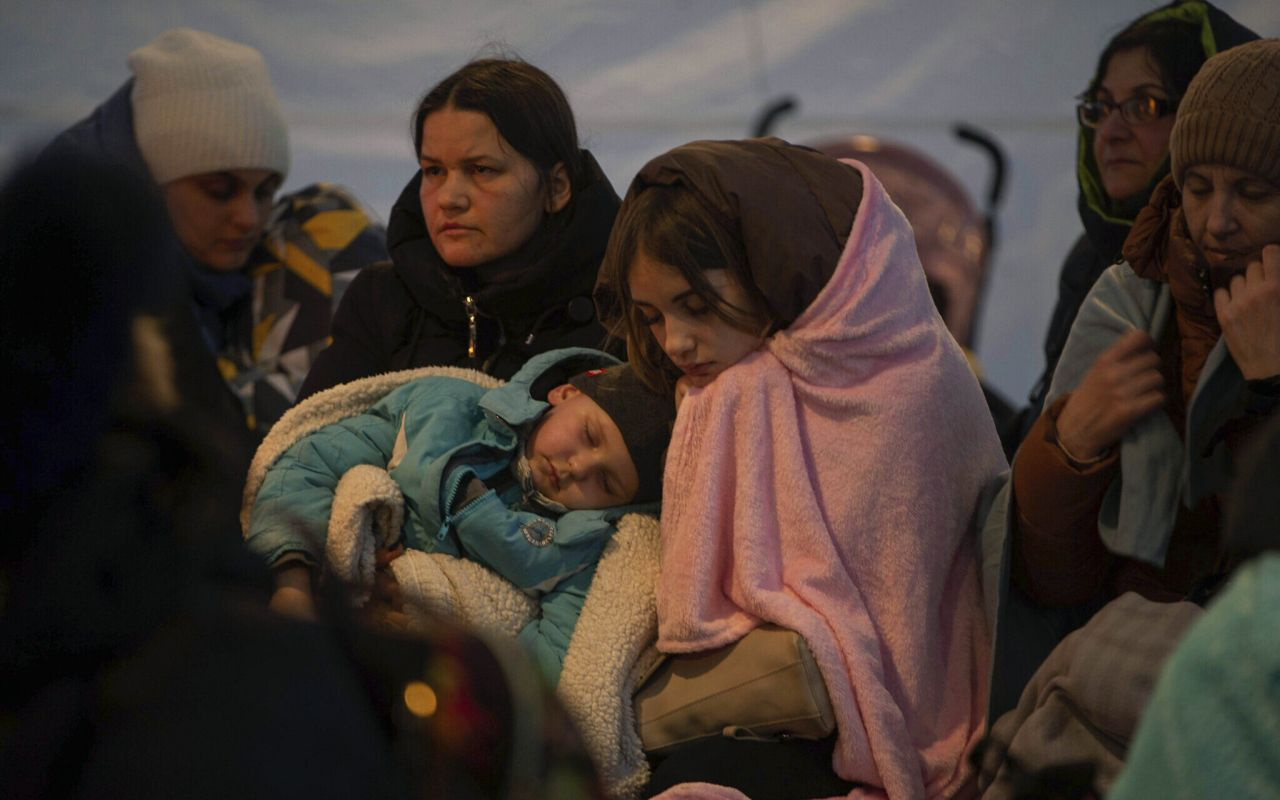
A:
(1123, 386)
(1248, 310)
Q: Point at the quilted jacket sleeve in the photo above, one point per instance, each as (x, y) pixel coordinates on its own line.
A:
(1059, 557)
(547, 636)
(291, 511)
(528, 549)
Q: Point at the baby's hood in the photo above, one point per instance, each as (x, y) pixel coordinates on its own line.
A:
(524, 398)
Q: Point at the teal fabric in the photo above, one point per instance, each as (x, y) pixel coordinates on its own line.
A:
(1212, 726)
(546, 637)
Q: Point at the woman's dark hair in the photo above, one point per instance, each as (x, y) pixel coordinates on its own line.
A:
(669, 225)
(526, 106)
(1175, 47)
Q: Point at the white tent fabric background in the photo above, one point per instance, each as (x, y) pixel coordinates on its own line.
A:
(644, 76)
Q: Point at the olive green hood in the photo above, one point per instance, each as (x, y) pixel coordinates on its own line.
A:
(1106, 221)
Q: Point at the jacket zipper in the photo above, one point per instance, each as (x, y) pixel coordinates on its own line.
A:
(473, 313)
(448, 518)
(469, 303)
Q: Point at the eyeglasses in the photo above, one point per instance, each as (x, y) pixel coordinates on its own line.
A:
(1137, 110)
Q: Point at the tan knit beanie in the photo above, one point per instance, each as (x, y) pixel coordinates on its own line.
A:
(1230, 114)
(201, 104)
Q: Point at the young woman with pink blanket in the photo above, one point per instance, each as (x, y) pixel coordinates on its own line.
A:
(830, 448)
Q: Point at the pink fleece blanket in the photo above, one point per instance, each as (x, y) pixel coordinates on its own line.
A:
(826, 484)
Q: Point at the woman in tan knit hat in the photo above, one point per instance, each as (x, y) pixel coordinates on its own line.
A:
(1226, 159)
(1171, 365)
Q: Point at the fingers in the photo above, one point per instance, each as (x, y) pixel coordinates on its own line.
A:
(1124, 384)
(1132, 344)
(380, 616)
(1270, 262)
(386, 587)
(1145, 381)
(1221, 304)
(1257, 276)
(385, 557)
(1142, 403)
(1243, 282)
(1129, 366)
(396, 620)
(1138, 362)
(1250, 295)
(1248, 311)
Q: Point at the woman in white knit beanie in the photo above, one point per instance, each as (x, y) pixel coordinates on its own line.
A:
(199, 120)
(209, 128)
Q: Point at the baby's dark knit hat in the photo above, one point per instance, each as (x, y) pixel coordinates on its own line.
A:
(1230, 114)
(643, 416)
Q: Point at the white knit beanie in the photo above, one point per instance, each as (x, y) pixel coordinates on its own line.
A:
(202, 104)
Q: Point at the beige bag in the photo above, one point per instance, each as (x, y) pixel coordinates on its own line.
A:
(766, 685)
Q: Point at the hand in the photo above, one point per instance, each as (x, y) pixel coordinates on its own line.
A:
(383, 558)
(292, 596)
(1248, 310)
(1123, 386)
(386, 602)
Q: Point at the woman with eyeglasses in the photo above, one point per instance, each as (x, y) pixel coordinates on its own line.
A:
(1112, 522)
(1125, 116)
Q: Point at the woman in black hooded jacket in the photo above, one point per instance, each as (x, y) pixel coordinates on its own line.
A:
(494, 243)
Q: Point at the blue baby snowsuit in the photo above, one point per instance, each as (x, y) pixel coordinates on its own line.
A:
(434, 434)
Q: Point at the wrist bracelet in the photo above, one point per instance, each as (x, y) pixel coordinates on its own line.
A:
(1080, 464)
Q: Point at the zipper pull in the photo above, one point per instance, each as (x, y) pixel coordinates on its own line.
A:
(469, 303)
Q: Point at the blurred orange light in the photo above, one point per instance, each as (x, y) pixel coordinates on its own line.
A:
(420, 699)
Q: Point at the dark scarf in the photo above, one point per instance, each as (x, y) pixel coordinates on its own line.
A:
(213, 295)
(1159, 248)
